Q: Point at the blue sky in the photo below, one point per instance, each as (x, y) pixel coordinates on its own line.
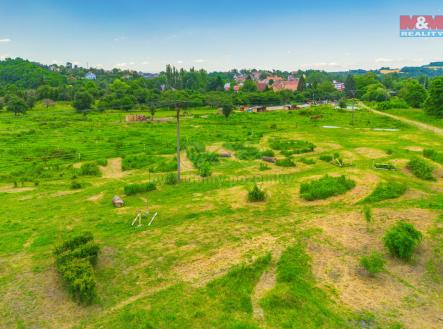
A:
(216, 35)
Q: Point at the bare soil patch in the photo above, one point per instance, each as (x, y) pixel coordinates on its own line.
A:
(97, 197)
(113, 169)
(370, 153)
(12, 189)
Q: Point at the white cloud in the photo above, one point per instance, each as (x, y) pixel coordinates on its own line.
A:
(145, 63)
(121, 38)
(121, 64)
(5, 40)
(383, 60)
(179, 62)
(199, 60)
(4, 56)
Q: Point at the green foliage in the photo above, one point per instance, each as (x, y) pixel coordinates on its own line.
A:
(83, 102)
(385, 166)
(89, 169)
(286, 162)
(256, 194)
(433, 155)
(296, 301)
(421, 169)
(373, 263)
(201, 160)
(290, 147)
(385, 191)
(151, 162)
(413, 93)
(16, 105)
(132, 189)
(367, 213)
(102, 162)
(402, 239)
(393, 103)
(326, 158)
(325, 187)
(434, 103)
(74, 259)
(375, 93)
(263, 167)
(307, 161)
(76, 185)
(171, 179)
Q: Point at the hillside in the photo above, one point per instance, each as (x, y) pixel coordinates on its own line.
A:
(211, 258)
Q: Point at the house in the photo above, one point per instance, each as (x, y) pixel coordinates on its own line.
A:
(274, 79)
(340, 86)
(256, 109)
(227, 86)
(261, 85)
(90, 76)
(285, 85)
(238, 87)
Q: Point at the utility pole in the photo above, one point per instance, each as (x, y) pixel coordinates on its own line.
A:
(353, 109)
(177, 111)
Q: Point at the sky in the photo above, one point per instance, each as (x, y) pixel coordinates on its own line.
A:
(216, 35)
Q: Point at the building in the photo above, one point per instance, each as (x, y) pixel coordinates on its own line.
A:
(261, 85)
(227, 86)
(285, 85)
(340, 86)
(90, 76)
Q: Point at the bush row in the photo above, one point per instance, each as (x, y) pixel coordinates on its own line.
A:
(132, 189)
(74, 260)
(325, 187)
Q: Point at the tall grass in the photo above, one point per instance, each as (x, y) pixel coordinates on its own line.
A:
(132, 189)
(325, 187)
(421, 169)
(385, 191)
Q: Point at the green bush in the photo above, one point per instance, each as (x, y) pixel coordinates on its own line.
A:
(402, 239)
(132, 189)
(171, 179)
(267, 153)
(248, 153)
(421, 169)
(102, 162)
(307, 161)
(290, 147)
(385, 191)
(263, 167)
(373, 263)
(204, 169)
(74, 259)
(433, 155)
(201, 160)
(286, 162)
(76, 185)
(256, 194)
(89, 169)
(367, 213)
(325, 187)
(326, 158)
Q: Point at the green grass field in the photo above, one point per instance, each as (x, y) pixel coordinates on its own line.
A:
(211, 259)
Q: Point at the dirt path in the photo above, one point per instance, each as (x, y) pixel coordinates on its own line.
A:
(421, 125)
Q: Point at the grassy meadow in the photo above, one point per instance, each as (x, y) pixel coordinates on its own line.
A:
(211, 259)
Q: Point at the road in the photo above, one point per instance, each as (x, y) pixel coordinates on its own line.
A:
(421, 125)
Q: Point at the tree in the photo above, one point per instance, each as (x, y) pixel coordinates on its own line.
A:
(83, 102)
(413, 93)
(48, 102)
(301, 83)
(434, 103)
(17, 105)
(376, 93)
(249, 86)
(350, 86)
(227, 109)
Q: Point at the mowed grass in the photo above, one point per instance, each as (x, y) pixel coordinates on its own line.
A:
(198, 264)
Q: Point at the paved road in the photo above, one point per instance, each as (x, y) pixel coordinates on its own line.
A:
(421, 125)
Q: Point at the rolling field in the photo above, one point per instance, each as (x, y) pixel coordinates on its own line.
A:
(211, 258)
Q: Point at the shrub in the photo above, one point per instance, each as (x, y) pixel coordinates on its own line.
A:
(171, 179)
(256, 194)
(433, 155)
(204, 169)
(248, 153)
(421, 169)
(367, 213)
(373, 263)
(385, 191)
(385, 166)
(132, 189)
(89, 169)
(267, 153)
(286, 162)
(402, 239)
(102, 162)
(74, 259)
(201, 160)
(290, 147)
(263, 167)
(326, 158)
(325, 187)
(307, 161)
(75, 185)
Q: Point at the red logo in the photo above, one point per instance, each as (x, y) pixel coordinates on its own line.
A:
(421, 22)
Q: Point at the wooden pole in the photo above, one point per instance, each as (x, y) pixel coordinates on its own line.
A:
(177, 110)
